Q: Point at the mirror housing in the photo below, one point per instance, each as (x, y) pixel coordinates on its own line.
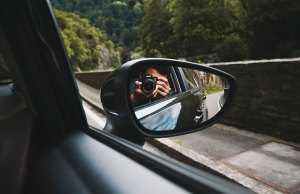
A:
(117, 103)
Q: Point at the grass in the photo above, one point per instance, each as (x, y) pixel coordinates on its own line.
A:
(178, 142)
(213, 90)
(5, 81)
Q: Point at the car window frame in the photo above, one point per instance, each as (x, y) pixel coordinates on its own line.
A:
(175, 81)
(182, 80)
(196, 82)
(186, 80)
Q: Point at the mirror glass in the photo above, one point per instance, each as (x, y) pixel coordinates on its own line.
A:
(167, 97)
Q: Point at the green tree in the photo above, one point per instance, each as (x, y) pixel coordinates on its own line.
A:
(111, 16)
(87, 47)
(206, 27)
(274, 28)
(157, 39)
(198, 30)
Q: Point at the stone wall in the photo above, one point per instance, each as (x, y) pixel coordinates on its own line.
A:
(94, 79)
(268, 97)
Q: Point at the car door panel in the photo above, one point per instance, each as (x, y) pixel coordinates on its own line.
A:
(96, 162)
(16, 124)
(84, 165)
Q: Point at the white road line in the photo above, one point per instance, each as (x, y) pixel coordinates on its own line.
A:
(94, 117)
(219, 106)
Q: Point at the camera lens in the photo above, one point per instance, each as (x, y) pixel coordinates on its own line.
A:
(148, 87)
(148, 84)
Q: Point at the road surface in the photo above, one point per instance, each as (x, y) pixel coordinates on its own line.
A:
(94, 117)
(212, 101)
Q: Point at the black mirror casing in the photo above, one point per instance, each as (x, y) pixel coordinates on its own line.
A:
(115, 102)
(121, 119)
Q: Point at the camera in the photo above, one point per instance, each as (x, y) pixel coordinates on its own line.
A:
(148, 83)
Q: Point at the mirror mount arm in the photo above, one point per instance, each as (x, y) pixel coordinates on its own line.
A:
(115, 104)
(120, 133)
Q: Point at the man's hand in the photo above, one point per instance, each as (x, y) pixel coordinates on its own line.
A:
(163, 86)
(162, 89)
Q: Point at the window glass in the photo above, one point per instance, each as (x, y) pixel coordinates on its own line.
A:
(92, 53)
(197, 76)
(191, 83)
(101, 35)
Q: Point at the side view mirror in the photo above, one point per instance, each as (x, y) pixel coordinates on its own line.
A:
(152, 98)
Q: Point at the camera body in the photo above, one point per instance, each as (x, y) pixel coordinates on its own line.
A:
(148, 83)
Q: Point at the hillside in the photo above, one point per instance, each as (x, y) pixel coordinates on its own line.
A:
(120, 20)
(87, 46)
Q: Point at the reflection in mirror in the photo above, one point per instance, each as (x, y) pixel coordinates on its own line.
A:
(173, 98)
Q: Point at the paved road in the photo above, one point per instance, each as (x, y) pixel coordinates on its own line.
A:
(273, 163)
(217, 143)
(90, 93)
(95, 118)
(212, 104)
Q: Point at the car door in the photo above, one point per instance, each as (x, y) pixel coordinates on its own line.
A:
(61, 153)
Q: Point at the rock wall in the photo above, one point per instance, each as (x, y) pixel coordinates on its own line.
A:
(94, 79)
(268, 97)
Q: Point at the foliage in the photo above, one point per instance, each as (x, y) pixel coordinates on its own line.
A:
(120, 20)
(221, 30)
(195, 30)
(274, 28)
(156, 31)
(87, 47)
(212, 90)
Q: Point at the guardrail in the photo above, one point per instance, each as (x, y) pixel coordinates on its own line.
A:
(267, 100)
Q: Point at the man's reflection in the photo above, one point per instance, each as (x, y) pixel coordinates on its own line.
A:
(151, 85)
